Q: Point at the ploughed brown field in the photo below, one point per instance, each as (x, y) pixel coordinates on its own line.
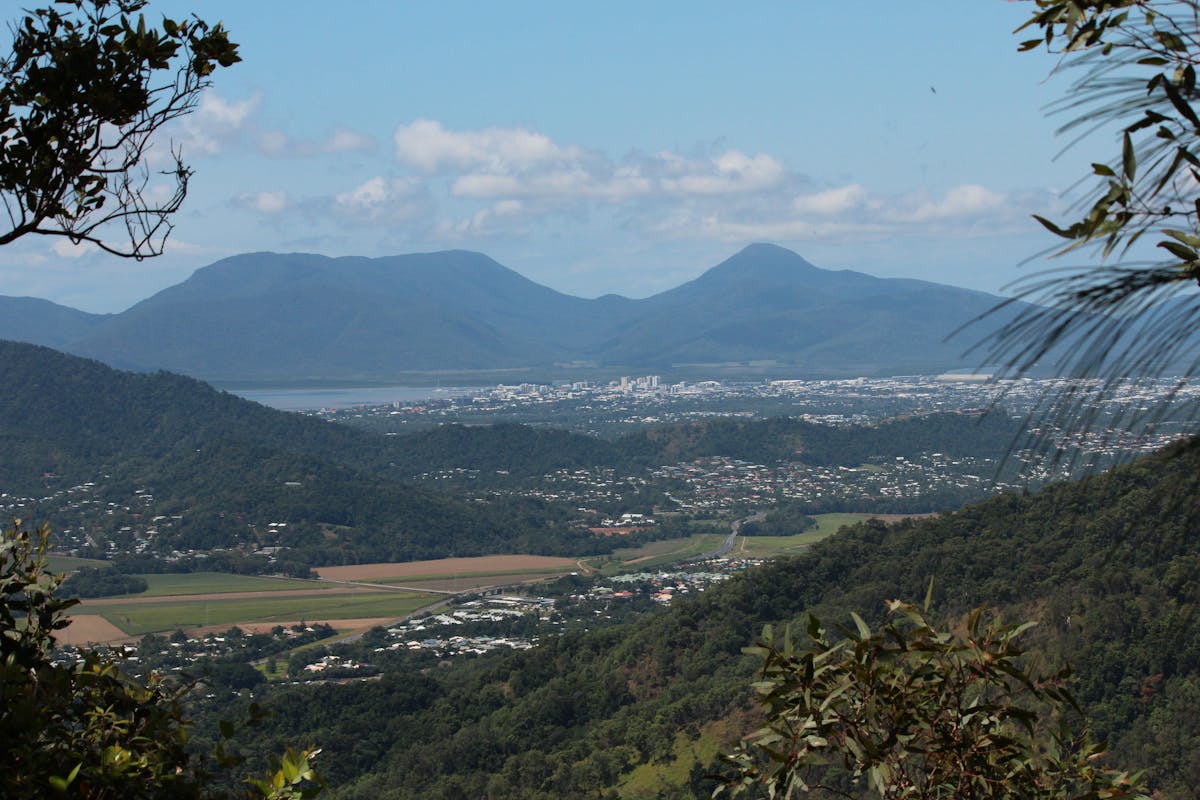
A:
(89, 629)
(447, 567)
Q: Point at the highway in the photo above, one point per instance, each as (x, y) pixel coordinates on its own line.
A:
(734, 528)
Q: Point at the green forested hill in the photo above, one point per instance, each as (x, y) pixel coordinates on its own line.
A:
(526, 451)
(1107, 566)
(229, 464)
(786, 439)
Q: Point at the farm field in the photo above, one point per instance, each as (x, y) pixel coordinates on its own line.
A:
(143, 599)
(656, 554)
(772, 546)
(137, 619)
(217, 600)
(71, 563)
(89, 629)
(466, 583)
(218, 583)
(827, 525)
(450, 568)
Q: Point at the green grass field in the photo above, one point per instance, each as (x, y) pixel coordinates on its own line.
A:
(217, 582)
(656, 554)
(70, 563)
(140, 618)
(771, 546)
(830, 523)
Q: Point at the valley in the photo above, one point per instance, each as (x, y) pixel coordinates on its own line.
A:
(271, 564)
(441, 407)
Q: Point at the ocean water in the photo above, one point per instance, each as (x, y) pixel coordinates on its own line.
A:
(346, 397)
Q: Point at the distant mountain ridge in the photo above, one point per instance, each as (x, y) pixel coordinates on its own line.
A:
(295, 317)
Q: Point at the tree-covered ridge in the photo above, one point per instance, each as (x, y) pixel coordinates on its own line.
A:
(1105, 565)
(527, 451)
(787, 439)
(225, 465)
(71, 416)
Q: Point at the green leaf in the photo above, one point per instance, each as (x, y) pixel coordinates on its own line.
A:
(1179, 251)
(1050, 226)
(1128, 157)
(1171, 41)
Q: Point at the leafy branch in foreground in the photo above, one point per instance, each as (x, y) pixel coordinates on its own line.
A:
(82, 94)
(1134, 314)
(910, 711)
(87, 729)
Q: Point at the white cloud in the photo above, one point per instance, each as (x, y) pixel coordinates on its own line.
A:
(65, 248)
(345, 140)
(426, 145)
(492, 163)
(380, 199)
(958, 202)
(484, 222)
(730, 172)
(853, 212)
(215, 109)
(484, 185)
(215, 122)
(265, 202)
(560, 183)
(831, 201)
(493, 180)
(366, 195)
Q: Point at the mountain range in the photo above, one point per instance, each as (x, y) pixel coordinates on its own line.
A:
(297, 317)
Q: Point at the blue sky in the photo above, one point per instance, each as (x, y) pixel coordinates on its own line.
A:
(609, 147)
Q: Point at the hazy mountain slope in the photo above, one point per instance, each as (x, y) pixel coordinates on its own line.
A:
(267, 316)
(289, 317)
(766, 302)
(28, 319)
